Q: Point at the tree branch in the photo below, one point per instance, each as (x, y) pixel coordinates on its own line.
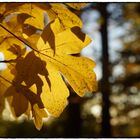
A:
(6, 80)
(8, 61)
(23, 41)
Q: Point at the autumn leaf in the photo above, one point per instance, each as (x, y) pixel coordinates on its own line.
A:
(37, 17)
(62, 63)
(66, 17)
(39, 83)
(20, 98)
(35, 12)
(55, 100)
(17, 101)
(7, 45)
(40, 58)
(37, 67)
(70, 66)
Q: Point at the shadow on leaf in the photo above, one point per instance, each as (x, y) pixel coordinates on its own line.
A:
(28, 70)
(77, 31)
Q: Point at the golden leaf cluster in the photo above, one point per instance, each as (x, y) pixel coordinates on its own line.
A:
(39, 42)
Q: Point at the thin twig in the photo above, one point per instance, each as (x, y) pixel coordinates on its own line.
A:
(17, 37)
(28, 44)
(6, 80)
(8, 61)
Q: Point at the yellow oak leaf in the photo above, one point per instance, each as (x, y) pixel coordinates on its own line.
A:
(20, 98)
(66, 17)
(36, 12)
(16, 24)
(54, 98)
(77, 70)
(37, 76)
(35, 18)
(37, 107)
(68, 40)
(42, 81)
(10, 46)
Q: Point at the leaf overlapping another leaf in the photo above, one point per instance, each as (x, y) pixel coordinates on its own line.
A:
(33, 80)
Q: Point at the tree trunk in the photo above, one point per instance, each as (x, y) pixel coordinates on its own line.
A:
(73, 125)
(105, 85)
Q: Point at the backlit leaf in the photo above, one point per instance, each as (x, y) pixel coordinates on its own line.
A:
(66, 17)
(17, 101)
(83, 80)
(42, 58)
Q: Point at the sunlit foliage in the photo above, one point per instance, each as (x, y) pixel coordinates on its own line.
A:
(39, 57)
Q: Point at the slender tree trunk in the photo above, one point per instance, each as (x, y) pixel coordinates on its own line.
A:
(105, 85)
(73, 125)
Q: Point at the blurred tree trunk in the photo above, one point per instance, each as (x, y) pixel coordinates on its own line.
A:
(73, 124)
(105, 85)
